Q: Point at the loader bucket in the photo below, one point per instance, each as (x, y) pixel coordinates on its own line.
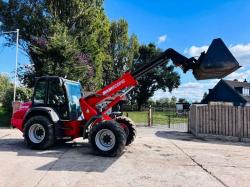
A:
(216, 63)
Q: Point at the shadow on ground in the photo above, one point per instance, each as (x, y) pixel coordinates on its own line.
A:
(184, 136)
(69, 156)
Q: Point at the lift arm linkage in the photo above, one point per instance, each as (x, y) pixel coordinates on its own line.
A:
(217, 62)
(128, 81)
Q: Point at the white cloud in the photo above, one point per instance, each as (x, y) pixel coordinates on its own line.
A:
(240, 51)
(191, 85)
(195, 51)
(162, 38)
(192, 91)
(239, 75)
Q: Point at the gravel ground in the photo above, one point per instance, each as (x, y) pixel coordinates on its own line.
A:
(158, 157)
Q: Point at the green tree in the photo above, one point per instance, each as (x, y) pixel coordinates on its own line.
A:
(204, 95)
(182, 100)
(159, 78)
(22, 94)
(163, 102)
(151, 102)
(173, 101)
(122, 51)
(5, 84)
(61, 37)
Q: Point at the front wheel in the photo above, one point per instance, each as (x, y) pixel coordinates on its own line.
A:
(39, 133)
(107, 138)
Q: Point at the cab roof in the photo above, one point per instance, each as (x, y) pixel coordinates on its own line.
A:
(56, 77)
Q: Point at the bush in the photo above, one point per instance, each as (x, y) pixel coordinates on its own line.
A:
(22, 94)
(5, 84)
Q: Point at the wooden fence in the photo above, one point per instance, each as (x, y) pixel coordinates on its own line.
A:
(220, 120)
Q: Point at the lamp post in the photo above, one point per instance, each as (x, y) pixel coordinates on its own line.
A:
(17, 38)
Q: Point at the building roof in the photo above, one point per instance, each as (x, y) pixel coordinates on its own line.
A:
(234, 84)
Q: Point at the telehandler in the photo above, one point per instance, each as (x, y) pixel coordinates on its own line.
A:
(60, 111)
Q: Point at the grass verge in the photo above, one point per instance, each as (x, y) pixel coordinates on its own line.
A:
(162, 118)
(4, 118)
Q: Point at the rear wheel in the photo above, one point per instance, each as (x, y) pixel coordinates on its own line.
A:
(129, 127)
(107, 138)
(39, 133)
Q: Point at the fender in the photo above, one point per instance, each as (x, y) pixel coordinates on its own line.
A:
(47, 111)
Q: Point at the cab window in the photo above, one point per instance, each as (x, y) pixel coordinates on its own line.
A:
(40, 92)
(57, 98)
(56, 94)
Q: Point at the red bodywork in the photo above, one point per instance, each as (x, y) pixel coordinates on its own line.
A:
(88, 106)
(19, 115)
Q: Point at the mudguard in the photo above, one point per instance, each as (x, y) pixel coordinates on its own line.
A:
(47, 111)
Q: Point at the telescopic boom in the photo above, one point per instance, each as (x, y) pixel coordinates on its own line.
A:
(217, 62)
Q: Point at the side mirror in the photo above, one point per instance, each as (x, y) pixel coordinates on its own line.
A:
(216, 63)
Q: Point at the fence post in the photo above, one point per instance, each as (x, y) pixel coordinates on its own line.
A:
(196, 120)
(169, 121)
(239, 122)
(189, 121)
(150, 116)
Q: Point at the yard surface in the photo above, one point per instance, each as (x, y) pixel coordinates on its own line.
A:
(158, 157)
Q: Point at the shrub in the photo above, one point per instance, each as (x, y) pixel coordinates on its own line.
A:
(5, 84)
(22, 94)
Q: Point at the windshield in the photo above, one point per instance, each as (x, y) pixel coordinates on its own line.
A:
(74, 94)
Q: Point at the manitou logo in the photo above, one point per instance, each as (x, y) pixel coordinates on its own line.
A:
(114, 87)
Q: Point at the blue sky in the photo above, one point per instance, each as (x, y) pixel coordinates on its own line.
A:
(187, 26)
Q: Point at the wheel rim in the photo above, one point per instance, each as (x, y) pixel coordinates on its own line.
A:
(36, 133)
(105, 139)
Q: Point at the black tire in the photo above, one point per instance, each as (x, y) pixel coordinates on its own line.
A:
(130, 128)
(48, 131)
(118, 132)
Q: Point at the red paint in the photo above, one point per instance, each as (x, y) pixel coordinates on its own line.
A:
(72, 128)
(18, 116)
(88, 106)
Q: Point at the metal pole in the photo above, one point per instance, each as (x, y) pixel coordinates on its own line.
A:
(150, 116)
(17, 37)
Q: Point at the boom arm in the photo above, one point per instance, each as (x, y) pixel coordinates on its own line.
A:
(177, 58)
(128, 80)
(217, 62)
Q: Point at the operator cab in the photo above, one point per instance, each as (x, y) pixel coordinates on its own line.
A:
(60, 94)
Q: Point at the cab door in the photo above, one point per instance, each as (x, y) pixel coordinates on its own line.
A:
(40, 93)
(57, 98)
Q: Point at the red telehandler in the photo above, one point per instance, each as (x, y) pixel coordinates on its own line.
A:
(59, 111)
